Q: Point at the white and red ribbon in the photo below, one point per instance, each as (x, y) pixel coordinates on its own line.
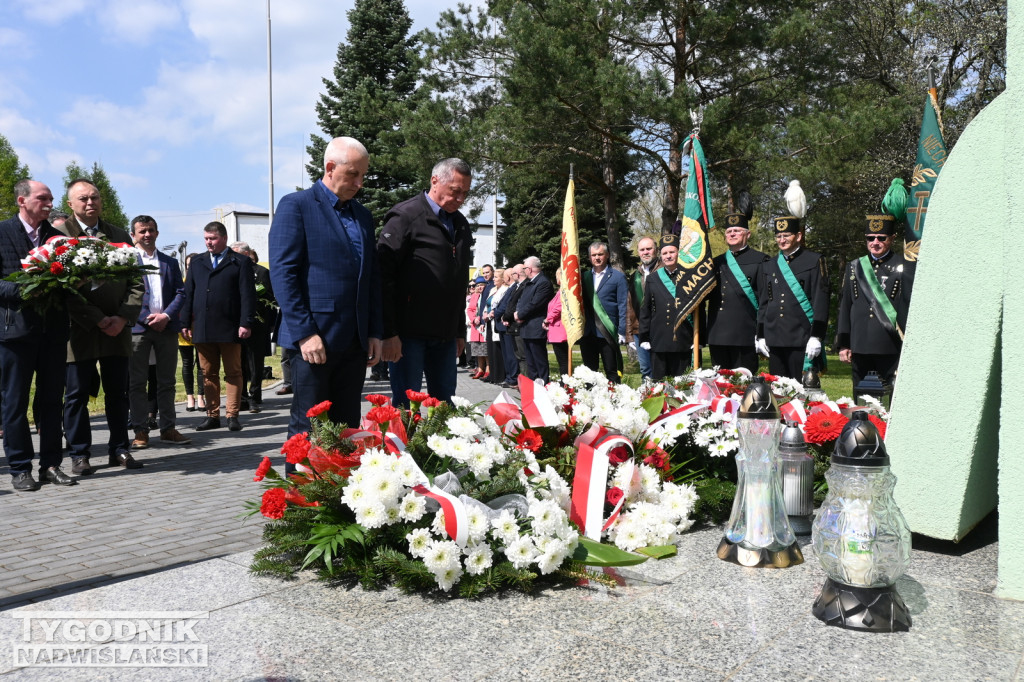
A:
(538, 410)
(456, 521)
(590, 481)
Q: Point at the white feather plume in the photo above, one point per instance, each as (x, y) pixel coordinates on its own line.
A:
(796, 202)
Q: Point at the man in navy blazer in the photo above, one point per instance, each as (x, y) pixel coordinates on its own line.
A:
(30, 344)
(219, 309)
(605, 329)
(531, 309)
(323, 267)
(155, 331)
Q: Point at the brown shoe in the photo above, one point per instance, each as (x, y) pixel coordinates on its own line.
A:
(173, 436)
(284, 390)
(141, 441)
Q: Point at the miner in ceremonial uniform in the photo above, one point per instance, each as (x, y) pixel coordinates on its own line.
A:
(793, 300)
(874, 303)
(663, 331)
(733, 303)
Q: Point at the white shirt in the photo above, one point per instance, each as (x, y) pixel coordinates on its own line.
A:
(598, 276)
(33, 232)
(153, 284)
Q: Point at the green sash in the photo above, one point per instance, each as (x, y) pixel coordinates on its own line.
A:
(734, 268)
(638, 287)
(801, 297)
(607, 328)
(879, 300)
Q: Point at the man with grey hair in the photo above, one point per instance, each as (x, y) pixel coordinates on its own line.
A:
(531, 309)
(324, 271)
(425, 253)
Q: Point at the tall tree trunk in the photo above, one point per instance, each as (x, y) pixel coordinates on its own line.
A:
(670, 209)
(611, 224)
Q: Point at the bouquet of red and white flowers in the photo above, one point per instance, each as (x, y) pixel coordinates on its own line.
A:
(64, 264)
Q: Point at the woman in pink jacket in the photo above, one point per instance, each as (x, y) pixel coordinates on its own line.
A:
(556, 332)
(477, 340)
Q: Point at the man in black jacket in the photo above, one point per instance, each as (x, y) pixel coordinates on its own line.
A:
(425, 251)
(30, 344)
(220, 305)
(531, 309)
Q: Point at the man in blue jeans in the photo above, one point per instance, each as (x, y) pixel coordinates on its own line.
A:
(424, 252)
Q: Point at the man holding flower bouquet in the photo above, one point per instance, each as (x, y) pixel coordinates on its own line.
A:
(31, 343)
(101, 332)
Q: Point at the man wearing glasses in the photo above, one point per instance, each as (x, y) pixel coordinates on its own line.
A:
(874, 303)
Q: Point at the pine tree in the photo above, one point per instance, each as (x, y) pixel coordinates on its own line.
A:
(11, 171)
(113, 212)
(373, 90)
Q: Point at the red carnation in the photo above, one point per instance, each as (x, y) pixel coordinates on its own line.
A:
(619, 454)
(431, 402)
(72, 242)
(824, 427)
(879, 424)
(769, 377)
(318, 409)
(657, 460)
(377, 399)
(60, 250)
(416, 396)
(296, 448)
(726, 372)
(614, 495)
(56, 268)
(383, 414)
(262, 469)
(273, 503)
(530, 440)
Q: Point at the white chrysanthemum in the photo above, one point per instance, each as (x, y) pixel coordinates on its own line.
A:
(441, 555)
(559, 396)
(629, 535)
(384, 485)
(479, 463)
(546, 516)
(721, 448)
(554, 554)
(491, 426)
(408, 473)
(419, 541)
(437, 525)
(412, 507)
(439, 444)
(495, 450)
(506, 528)
(392, 513)
(447, 577)
(459, 401)
(371, 514)
(478, 523)
(463, 427)
(521, 552)
(374, 458)
(355, 494)
(478, 559)
(459, 449)
(649, 478)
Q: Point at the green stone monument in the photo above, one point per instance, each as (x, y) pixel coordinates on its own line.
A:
(956, 436)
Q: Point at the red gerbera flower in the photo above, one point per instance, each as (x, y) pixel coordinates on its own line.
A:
(262, 469)
(879, 424)
(619, 454)
(273, 503)
(318, 409)
(383, 414)
(378, 399)
(530, 440)
(614, 495)
(296, 448)
(416, 396)
(824, 427)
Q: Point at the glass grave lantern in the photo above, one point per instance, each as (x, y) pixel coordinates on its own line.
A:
(797, 467)
(873, 385)
(758, 533)
(860, 536)
(811, 381)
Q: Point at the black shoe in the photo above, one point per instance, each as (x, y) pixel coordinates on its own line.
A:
(284, 390)
(209, 423)
(233, 424)
(80, 466)
(56, 476)
(23, 482)
(256, 408)
(123, 459)
(509, 384)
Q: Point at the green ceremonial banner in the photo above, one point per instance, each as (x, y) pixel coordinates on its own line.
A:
(694, 247)
(931, 155)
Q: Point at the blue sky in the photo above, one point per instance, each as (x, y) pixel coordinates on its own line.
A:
(170, 96)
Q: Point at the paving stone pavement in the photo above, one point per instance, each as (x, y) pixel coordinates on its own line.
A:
(182, 507)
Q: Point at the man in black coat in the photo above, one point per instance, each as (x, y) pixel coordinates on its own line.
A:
(220, 304)
(30, 344)
(793, 303)
(667, 336)
(256, 348)
(531, 309)
(874, 303)
(732, 305)
(505, 313)
(424, 249)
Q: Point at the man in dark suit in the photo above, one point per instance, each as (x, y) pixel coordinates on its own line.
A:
(323, 266)
(219, 307)
(256, 348)
(792, 314)
(732, 305)
(155, 332)
(605, 311)
(101, 331)
(667, 337)
(504, 313)
(30, 343)
(531, 309)
(870, 327)
(425, 249)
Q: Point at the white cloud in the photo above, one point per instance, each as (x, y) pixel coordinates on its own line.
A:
(53, 11)
(14, 42)
(136, 21)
